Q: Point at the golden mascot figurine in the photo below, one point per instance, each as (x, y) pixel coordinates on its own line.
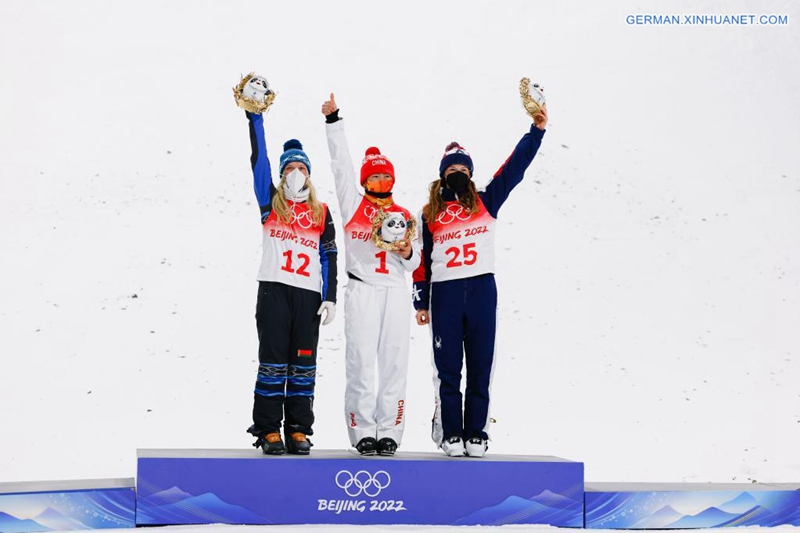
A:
(253, 94)
(532, 95)
(389, 228)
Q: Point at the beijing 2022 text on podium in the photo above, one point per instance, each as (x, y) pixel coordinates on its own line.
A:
(208, 486)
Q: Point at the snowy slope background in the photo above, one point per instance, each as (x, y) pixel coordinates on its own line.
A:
(648, 266)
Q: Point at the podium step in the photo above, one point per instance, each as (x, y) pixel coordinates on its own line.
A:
(337, 487)
(67, 505)
(690, 505)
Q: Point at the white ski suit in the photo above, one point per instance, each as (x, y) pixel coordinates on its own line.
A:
(377, 310)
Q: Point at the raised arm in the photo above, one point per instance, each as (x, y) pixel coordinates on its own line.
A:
(259, 161)
(344, 173)
(510, 174)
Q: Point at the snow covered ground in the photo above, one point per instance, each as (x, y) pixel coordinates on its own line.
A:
(648, 266)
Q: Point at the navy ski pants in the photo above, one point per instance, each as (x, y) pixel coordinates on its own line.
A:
(463, 315)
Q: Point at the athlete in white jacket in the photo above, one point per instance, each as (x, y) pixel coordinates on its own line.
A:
(376, 310)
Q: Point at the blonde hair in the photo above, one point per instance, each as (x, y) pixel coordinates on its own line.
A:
(281, 207)
(436, 204)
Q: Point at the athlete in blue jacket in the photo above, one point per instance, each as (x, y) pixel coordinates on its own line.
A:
(455, 291)
(296, 285)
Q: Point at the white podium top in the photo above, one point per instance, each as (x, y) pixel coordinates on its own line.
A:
(687, 487)
(334, 454)
(21, 487)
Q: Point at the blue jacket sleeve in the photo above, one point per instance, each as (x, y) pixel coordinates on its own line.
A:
(422, 275)
(327, 259)
(510, 174)
(259, 161)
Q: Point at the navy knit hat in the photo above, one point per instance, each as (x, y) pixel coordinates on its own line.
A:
(455, 154)
(293, 151)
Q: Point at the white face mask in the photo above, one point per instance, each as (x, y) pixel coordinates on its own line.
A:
(294, 185)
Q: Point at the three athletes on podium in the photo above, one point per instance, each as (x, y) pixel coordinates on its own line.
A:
(454, 292)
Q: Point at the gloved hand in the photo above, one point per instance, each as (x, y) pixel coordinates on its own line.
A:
(330, 312)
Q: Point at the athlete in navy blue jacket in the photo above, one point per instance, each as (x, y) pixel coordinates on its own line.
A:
(455, 291)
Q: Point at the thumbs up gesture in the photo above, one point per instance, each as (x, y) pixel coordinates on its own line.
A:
(329, 106)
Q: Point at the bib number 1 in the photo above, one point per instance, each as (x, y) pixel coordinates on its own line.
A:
(381, 256)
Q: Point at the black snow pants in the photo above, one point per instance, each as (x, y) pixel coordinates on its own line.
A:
(288, 332)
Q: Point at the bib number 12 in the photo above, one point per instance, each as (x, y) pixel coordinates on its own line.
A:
(301, 270)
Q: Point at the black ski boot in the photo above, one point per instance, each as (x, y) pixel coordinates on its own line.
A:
(298, 444)
(387, 446)
(270, 444)
(367, 446)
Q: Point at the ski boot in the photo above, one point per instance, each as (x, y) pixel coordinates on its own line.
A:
(367, 446)
(453, 446)
(298, 444)
(476, 447)
(387, 446)
(270, 444)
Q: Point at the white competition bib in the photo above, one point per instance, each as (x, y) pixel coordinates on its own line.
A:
(366, 261)
(463, 243)
(290, 253)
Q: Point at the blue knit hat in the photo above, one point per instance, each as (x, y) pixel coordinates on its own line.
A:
(455, 154)
(293, 151)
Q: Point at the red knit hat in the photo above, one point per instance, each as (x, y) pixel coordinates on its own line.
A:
(375, 163)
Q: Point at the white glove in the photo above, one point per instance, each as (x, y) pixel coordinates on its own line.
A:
(330, 312)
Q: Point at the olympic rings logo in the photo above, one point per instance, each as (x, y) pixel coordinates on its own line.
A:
(303, 218)
(452, 213)
(362, 482)
(370, 212)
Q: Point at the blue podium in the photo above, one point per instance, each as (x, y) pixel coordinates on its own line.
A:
(67, 505)
(337, 487)
(690, 505)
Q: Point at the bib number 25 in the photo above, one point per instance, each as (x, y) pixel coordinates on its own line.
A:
(467, 252)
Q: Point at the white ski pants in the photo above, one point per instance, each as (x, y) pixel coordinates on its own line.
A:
(377, 329)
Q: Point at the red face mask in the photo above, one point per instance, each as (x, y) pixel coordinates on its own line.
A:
(381, 186)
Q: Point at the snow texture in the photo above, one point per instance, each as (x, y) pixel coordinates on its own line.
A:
(648, 266)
